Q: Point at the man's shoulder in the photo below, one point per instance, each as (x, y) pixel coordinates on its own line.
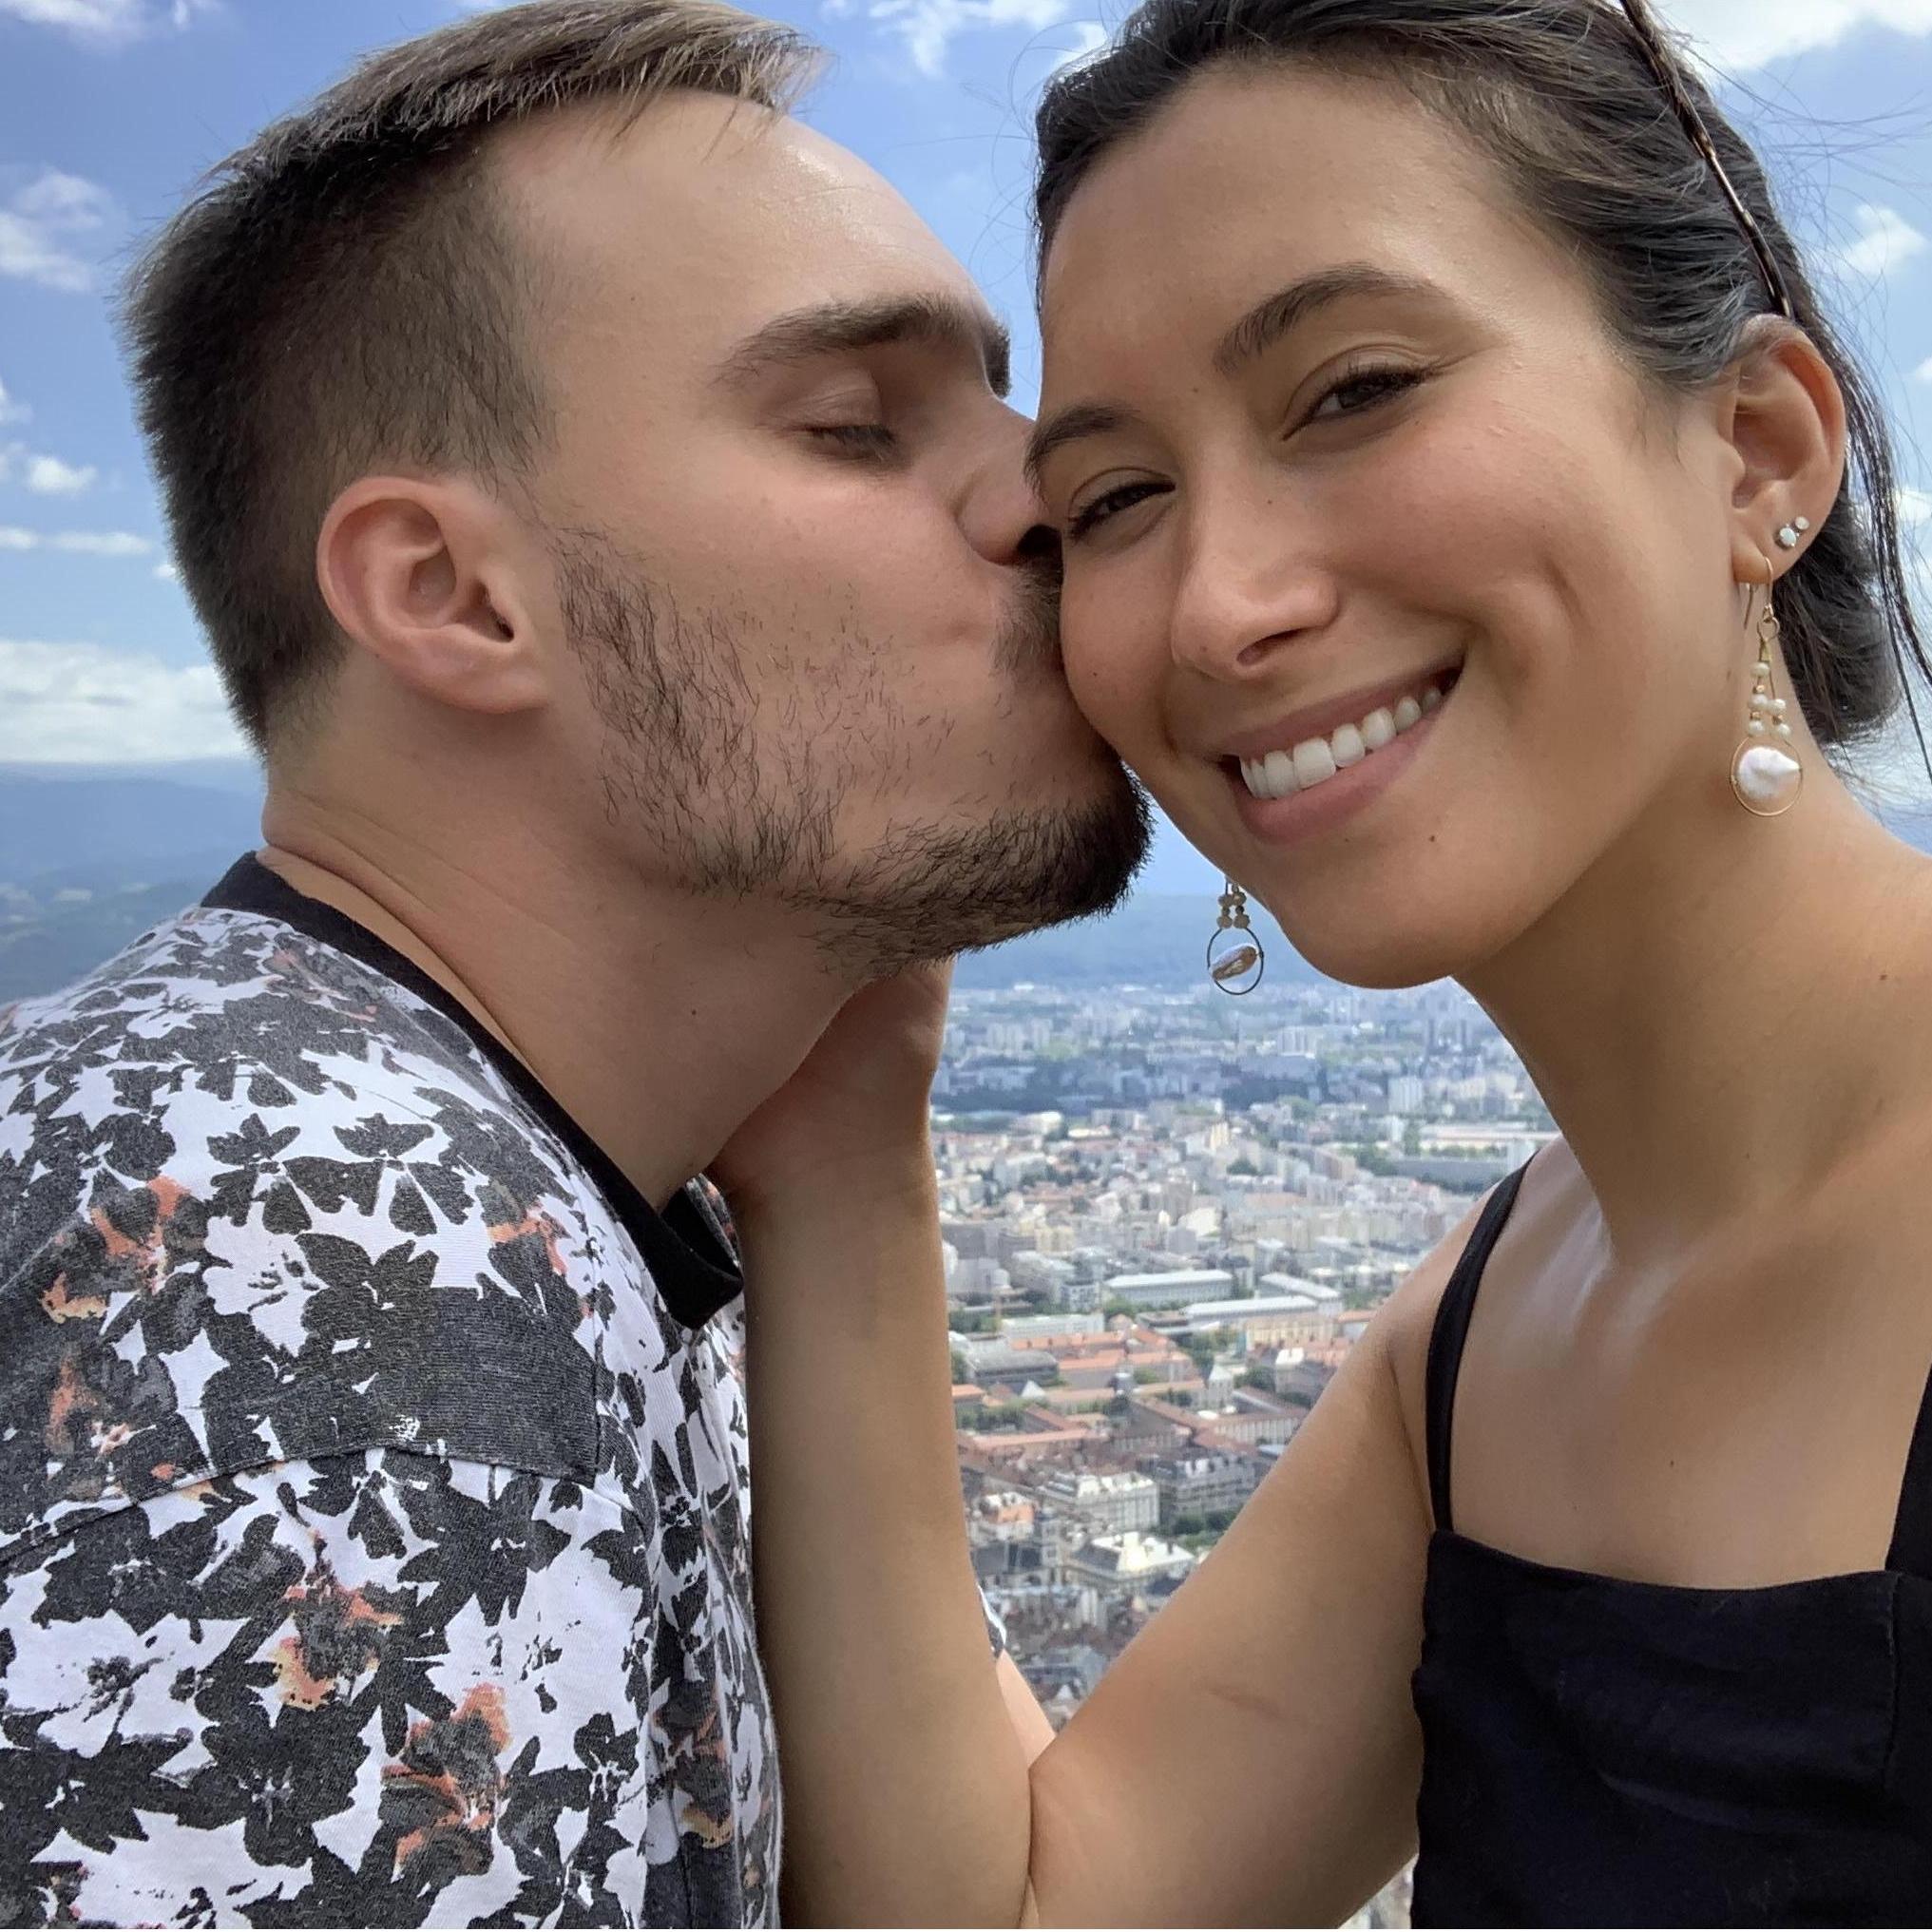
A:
(260, 1204)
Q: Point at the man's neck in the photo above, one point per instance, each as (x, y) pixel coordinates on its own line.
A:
(657, 1021)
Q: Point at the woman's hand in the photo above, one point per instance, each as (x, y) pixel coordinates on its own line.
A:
(853, 1119)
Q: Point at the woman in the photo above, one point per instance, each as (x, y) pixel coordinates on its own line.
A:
(1452, 481)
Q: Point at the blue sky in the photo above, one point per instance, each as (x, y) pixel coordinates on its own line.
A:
(110, 109)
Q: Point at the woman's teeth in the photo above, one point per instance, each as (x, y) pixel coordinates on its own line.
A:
(1317, 760)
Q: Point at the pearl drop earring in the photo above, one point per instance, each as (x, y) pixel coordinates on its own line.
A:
(1234, 960)
(1765, 773)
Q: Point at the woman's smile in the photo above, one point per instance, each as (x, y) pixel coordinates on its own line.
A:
(1325, 764)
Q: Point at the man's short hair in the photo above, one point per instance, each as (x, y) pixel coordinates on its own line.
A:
(346, 293)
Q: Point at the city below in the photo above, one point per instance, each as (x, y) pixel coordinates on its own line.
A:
(1167, 1217)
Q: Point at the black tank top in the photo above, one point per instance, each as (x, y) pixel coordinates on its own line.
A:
(1599, 1752)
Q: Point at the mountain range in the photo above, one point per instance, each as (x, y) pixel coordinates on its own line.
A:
(92, 855)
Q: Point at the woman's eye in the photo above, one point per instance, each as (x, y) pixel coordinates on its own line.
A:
(1110, 503)
(856, 439)
(1363, 388)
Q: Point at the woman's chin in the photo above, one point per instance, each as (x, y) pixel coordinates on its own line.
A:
(1381, 955)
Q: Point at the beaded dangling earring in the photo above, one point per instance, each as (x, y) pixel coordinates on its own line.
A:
(1765, 773)
(1234, 957)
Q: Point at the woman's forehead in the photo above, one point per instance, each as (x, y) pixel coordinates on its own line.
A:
(1256, 179)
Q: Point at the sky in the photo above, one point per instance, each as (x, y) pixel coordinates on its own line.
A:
(110, 110)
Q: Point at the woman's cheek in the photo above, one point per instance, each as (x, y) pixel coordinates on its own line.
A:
(1113, 670)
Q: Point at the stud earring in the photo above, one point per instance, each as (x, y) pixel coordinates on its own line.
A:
(1235, 957)
(1765, 773)
(1787, 537)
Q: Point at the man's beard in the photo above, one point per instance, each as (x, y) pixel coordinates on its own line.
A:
(684, 762)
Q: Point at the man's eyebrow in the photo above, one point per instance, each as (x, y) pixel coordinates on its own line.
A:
(1271, 317)
(841, 328)
(1263, 325)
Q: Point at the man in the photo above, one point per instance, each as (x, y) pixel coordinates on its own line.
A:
(596, 491)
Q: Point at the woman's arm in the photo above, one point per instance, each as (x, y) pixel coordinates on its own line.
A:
(906, 1780)
(1252, 1758)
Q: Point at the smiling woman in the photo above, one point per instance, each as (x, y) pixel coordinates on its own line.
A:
(1468, 513)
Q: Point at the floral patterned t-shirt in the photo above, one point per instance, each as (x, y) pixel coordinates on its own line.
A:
(373, 1535)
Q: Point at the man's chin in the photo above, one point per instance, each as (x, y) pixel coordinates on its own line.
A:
(929, 893)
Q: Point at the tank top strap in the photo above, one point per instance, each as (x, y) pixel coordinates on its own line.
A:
(1451, 1333)
(1912, 1538)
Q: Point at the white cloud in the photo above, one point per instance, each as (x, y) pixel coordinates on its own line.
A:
(1741, 34)
(929, 27)
(50, 227)
(170, 572)
(1886, 240)
(83, 703)
(49, 476)
(107, 23)
(1914, 507)
(11, 412)
(1738, 35)
(77, 543)
(1087, 37)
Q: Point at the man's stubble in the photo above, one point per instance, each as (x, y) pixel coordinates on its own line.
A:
(742, 806)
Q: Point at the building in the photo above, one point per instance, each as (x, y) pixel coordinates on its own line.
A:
(1132, 1559)
(1171, 1289)
(1202, 1484)
(1074, 1671)
(1249, 1418)
(1110, 1504)
(1299, 1288)
(1298, 1379)
(992, 1359)
(1043, 1276)
(1003, 1514)
(1049, 1329)
(1406, 1094)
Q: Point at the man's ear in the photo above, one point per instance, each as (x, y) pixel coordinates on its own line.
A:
(1782, 414)
(427, 574)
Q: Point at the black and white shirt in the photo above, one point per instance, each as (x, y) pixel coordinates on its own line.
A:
(373, 1538)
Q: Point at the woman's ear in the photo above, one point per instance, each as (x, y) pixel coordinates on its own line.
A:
(1782, 414)
(424, 574)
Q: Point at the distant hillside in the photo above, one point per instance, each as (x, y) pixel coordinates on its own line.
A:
(70, 939)
(109, 829)
(90, 857)
(1156, 939)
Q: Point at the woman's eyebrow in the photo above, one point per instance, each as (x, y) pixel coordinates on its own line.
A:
(1272, 316)
(1072, 425)
(1264, 325)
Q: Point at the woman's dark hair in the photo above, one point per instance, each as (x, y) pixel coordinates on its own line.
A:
(1585, 116)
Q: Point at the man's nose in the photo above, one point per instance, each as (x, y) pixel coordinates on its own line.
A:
(1000, 512)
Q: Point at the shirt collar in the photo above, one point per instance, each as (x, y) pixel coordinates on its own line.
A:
(691, 1266)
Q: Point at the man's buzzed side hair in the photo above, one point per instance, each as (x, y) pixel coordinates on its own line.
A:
(347, 295)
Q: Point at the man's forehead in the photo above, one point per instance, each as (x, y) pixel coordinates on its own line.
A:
(723, 238)
(724, 190)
